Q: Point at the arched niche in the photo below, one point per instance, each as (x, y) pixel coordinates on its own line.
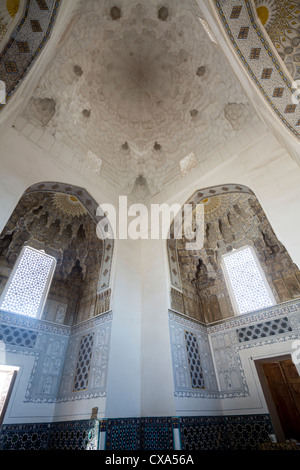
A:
(233, 218)
(63, 221)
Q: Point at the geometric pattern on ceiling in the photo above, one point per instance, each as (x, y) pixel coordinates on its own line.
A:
(260, 59)
(141, 93)
(26, 42)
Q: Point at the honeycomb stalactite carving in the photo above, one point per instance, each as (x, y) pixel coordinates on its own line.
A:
(231, 222)
(65, 230)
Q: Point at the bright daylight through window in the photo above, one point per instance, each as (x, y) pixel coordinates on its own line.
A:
(26, 290)
(248, 287)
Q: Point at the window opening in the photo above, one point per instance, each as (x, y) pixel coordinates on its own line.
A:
(247, 285)
(27, 287)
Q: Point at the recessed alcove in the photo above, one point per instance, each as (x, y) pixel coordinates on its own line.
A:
(232, 220)
(61, 226)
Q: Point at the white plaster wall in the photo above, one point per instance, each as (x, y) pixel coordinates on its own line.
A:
(25, 162)
(79, 409)
(157, 374)
(124, 376)
(198, 406)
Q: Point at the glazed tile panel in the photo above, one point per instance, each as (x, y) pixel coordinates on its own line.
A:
(17, 336)
(263, 330)
(74, 435)
(266, 327)
(157, 433)
(225, 432)
(52, 379)
(123, 434)
(140, 433)
(83, 363)
(197, 433)
(25, 437)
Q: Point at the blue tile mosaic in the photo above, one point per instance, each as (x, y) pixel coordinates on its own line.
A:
(24, 437)
(157, 433)
(75, 435)
(203, 433)
(198, 433)
(263, 330)
(225, 432)
(123, 434)
(248, 432)
(17, 336)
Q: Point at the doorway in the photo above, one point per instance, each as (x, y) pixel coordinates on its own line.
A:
(280, 382)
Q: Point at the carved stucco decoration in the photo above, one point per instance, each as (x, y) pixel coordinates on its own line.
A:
(141, 88)
(233, 218)
(68, 204)
(59, 224)
(44, 223)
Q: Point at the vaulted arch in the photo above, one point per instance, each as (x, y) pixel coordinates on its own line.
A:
(233, 218)
(63, 220)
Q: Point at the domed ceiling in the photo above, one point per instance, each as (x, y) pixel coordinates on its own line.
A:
(140, 85)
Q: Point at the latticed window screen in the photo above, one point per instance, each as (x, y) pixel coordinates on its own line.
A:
(247, 284)
(83, 363)
(196, 373)
(27, 288)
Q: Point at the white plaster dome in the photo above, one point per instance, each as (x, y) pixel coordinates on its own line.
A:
(141, 86)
